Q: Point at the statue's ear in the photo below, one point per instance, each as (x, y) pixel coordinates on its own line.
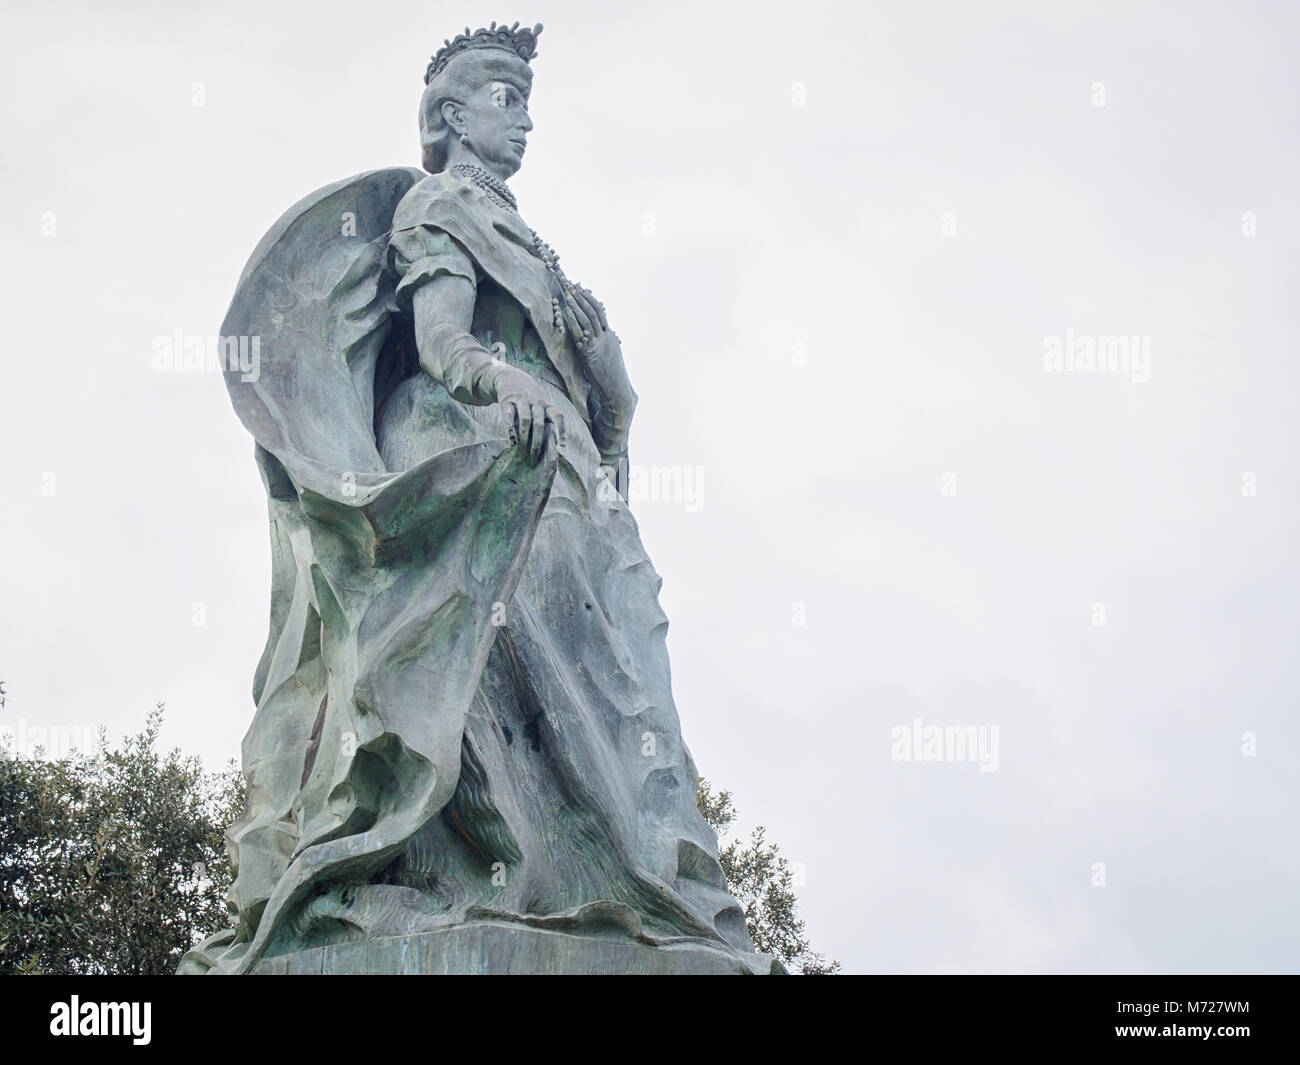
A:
(454, 115)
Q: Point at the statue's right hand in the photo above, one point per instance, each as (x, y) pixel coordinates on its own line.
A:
(527, 412)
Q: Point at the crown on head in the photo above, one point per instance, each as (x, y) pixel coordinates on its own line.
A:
(522, 43)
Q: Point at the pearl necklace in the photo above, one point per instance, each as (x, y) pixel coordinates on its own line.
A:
(496, 189)
(499, 193)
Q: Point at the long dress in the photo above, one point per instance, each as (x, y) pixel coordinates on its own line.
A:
(464, 708)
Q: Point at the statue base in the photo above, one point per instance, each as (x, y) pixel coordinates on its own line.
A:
(499, 948)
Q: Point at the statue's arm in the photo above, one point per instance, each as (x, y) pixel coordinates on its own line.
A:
(443, 308)
(438, 281)
(611, 402)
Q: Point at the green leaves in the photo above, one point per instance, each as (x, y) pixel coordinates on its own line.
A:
(111, 861)
(114, 861)
(762, 881)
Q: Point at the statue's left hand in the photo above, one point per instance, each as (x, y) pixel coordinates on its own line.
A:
(584, 318)
(597, 345)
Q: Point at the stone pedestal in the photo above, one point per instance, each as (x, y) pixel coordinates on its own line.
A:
(500, 948)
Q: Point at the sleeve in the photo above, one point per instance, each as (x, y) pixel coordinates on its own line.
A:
(610, 428)
(421, 253)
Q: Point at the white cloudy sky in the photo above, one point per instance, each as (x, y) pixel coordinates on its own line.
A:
(835, 239)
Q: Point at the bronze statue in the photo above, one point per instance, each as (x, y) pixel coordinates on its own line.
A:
(466, 756)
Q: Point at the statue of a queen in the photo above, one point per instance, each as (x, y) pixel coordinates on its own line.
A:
(465, 755)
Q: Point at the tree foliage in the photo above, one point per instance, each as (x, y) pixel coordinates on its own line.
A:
(762, 881)
(114, 861)
(111, 861)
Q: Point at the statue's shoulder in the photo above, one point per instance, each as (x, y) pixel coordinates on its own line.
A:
(437, 200)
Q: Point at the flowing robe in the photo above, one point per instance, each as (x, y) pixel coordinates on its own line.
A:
(464, 710)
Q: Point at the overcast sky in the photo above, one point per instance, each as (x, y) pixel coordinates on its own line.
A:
(839, 242)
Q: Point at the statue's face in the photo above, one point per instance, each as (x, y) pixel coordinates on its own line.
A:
(497, 121)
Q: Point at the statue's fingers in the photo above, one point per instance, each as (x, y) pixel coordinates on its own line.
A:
(510, 412)
(582, 305)
(525, 434)
(536, 429)
(571, 321)
(540, 430)
(595, 307)
(588, 333)
(583, 300)
(525, 431)
(548, 448)
(554, 416)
